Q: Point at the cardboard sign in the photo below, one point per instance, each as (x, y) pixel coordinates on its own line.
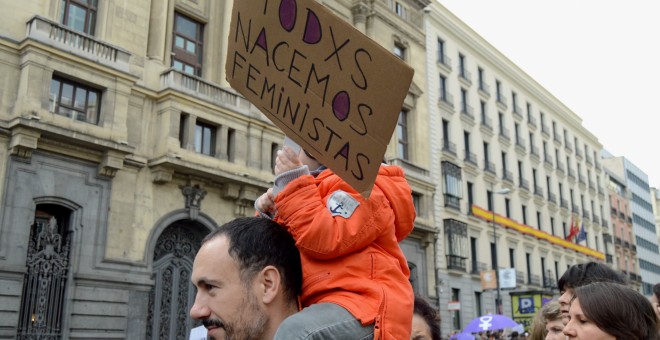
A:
(333, 90)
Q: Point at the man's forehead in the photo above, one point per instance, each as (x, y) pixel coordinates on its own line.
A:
(213, 259)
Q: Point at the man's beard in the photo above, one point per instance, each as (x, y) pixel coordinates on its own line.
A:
(249, 325)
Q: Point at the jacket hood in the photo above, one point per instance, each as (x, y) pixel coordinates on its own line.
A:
(392, 183)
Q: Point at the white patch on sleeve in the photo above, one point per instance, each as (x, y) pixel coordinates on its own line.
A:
(342, 204)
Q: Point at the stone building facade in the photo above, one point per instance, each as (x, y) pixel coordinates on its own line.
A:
(122, 145)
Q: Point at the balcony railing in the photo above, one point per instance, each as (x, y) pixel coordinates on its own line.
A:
(478, 267)
(520, 277)
(531, 120)
(534, 151)
(520, 142)
(534, 280)
(538, 191)
(545, 129)
(456, 262)
(486, 123)
(445, 61)
(466, 76)
(200, 88)
(78, 43)
(609, 259)
(470, 158)
(467, 111)
(548, 160)
(563, 203)
(490, 167)
(576, 209)
(516, 112)
(552, 198)
(524, 184)
(504, 133)
(449, 147)
(557, 137)
(568, 145)
(447, 99)
(501, 100)
(484, 88)
(507, 176)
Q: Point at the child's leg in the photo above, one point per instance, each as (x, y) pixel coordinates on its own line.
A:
(323, 321)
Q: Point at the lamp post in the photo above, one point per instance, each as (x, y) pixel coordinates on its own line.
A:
(498, 300)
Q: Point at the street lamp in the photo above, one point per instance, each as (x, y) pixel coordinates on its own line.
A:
(498, 300)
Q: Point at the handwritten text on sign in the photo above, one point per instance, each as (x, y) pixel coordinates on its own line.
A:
(333, 90)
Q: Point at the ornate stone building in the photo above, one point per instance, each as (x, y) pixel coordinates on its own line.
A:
(121, 146)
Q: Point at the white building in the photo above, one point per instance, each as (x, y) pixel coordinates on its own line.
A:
(496, 129)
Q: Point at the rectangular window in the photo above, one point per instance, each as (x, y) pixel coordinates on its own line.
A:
(493, 256)
(231, 144)
(400, 51)
(470, 195)
(456, 315)
(205, 138)
(473, 255)
(74, 100)
(477, 303)
(524, 214)
(443, 88)
(79, 15)
(507, 207)
(187, 46)
(441, 51)
(528, 262)
(274, 147)
(399, 9)
(461, 65)
(417, 200)
(452, 184)
(512, 257)
(480, 73)
(402, 134)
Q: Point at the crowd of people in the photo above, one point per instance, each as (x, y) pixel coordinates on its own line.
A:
(322, 262)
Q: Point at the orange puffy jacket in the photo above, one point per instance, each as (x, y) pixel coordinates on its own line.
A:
(350, 248)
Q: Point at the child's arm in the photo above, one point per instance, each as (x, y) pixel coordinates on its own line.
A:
(265, 204)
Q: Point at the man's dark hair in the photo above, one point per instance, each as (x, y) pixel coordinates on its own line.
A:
(255, 243)
(656, 291)
(584, 273)
(618, 310)
(430, 315)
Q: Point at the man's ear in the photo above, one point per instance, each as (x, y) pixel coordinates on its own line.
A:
(271, 284)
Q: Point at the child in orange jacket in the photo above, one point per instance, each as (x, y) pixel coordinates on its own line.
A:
(355, 276)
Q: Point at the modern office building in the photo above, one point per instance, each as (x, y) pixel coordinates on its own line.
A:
(643, 219)
(122, 145)
(621, 237)
(515, 168)
(655, 199)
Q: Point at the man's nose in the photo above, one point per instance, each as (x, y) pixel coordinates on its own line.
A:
(199, 310)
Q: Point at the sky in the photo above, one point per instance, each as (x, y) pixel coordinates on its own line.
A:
(601, 58)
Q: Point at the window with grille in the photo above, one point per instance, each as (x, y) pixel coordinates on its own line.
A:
(187, 46)
(79, 15)
(74, 100)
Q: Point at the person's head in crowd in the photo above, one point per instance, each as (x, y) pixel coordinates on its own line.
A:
(515, 335)
(547, 323)
(426, 321)
(655, 300)
(581, 274)
(248, 278)
(610, 311)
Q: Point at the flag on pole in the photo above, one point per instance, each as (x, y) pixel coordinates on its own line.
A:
(582, 235)
(574, 230)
